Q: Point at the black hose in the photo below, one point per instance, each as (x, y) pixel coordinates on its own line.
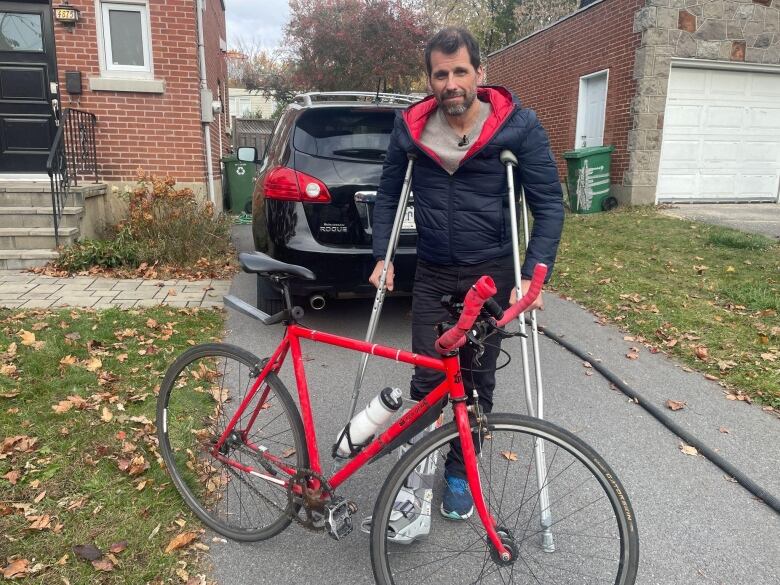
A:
(755, 489)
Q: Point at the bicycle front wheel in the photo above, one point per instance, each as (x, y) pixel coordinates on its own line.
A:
(239, 489)
(558, 507)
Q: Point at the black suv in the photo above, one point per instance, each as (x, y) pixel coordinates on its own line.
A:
(314, 196)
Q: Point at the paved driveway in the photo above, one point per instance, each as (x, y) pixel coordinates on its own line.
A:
(760, 218)
(695, 526)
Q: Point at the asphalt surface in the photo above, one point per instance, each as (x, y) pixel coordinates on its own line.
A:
(695, 526)
(760, 218)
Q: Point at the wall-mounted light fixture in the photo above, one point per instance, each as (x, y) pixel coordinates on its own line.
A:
(66, 14)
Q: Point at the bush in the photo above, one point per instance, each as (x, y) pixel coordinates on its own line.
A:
(171, 226)
(165, 226)
(120, 252)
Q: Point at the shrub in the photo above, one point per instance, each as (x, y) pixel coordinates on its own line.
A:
(120, 252)
(165, 226)
(171, 226)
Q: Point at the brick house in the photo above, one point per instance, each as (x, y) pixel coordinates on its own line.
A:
(131, 83)
(688, 92)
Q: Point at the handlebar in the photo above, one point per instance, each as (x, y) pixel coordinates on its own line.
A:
(480, 294)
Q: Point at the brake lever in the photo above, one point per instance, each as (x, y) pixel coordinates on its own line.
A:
(474, 340)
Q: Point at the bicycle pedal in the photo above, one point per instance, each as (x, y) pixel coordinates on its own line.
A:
(338, 517)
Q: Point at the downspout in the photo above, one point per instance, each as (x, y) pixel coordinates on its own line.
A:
(204, 86)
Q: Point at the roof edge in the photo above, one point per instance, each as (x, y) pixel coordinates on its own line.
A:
(549, 26)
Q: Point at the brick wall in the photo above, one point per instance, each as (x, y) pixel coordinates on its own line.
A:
(544, 71)
(159, 132)
(216, 77)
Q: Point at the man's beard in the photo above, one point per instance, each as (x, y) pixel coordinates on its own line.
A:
(457, 109)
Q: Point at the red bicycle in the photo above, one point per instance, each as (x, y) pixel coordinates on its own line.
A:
(244, 457)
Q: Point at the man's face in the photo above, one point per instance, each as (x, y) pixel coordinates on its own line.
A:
(454, 81)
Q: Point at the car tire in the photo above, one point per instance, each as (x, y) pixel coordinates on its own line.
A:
(269, 299)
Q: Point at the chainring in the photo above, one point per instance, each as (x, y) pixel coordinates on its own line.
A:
(310, 502)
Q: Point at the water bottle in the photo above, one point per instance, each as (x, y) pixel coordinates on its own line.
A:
(365, 423)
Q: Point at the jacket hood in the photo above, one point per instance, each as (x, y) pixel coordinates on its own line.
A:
(502, 105)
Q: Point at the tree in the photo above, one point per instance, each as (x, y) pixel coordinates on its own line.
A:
(349, 44)
(257, 70)
(495, 23)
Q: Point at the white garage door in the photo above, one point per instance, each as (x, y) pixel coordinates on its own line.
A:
(721, 138)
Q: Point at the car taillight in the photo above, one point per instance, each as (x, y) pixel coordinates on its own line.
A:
(290, 185)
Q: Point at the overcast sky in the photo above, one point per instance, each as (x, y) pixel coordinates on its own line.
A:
(256, 22)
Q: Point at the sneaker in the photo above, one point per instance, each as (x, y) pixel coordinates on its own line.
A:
(456, 503)
(410, 519)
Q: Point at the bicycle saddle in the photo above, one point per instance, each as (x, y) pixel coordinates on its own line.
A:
(259, 263)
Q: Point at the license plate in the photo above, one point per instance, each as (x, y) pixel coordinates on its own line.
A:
(408, 223)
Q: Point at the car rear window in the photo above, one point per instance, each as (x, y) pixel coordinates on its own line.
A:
(348, 133)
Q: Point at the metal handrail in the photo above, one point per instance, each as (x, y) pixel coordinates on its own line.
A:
(310, 97)
(73, 152)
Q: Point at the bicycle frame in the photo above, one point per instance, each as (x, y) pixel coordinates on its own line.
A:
(452, 386)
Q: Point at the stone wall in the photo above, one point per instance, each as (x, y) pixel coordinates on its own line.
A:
(740, 31)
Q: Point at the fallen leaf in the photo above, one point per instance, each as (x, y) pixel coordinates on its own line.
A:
(106, 416)
(13, 394)
(118, 547)
(16, 569)
(121, 357)
(633, 353)
(39, 522)
(730, 269)
(701, 352)
(587, 365)
(671, 343)
(710, 377)
(688, 449)
(93, 364)
(27, 337)
(87, 552)
(180, 541)
(39, 497)
(288, 452)
(103, 564)
(68, 360)
(509, 455)
(13, 476)
(675, 404)
(724, 430)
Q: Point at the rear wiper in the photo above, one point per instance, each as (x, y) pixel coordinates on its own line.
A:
(361, 152)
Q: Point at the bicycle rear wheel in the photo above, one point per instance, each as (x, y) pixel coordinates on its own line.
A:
(592, 533)
(200, 393)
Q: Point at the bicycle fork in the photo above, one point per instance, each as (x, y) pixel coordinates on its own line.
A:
(475, 483)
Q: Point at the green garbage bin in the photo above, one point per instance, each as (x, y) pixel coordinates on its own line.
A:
(588, 179)
(240, 179)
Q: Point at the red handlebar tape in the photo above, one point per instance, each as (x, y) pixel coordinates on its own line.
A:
(482, 290)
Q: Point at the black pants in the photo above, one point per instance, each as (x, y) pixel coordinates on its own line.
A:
(431, 282)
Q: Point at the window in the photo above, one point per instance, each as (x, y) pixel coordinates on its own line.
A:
(344, 133)
(125, 38)
(241, 107)
(20, 32)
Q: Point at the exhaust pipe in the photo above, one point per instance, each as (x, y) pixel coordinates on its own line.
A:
(317, 302)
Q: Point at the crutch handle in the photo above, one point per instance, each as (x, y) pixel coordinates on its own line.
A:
(508, 158)
(540, 271)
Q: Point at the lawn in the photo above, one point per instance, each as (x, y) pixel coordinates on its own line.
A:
(707, 295)
(84, 498)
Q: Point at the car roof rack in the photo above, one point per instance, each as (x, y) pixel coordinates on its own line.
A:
(307, 99)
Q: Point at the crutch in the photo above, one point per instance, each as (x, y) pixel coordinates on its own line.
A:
(509, 160)
(380, 291)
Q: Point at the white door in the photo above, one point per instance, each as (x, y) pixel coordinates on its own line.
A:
(721, 137)
(591, 107)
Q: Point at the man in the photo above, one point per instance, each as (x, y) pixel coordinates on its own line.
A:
(461, 211)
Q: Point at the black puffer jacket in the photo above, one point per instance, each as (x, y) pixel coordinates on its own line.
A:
(464, 218)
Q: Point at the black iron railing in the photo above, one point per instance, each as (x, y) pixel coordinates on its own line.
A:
(73, 153)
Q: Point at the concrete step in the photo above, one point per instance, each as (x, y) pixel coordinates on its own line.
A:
(38, 194)
(38, 217)
(26, 238)
(22, 259)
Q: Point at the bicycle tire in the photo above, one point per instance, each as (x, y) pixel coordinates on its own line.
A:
(207, 484)
(581, 487)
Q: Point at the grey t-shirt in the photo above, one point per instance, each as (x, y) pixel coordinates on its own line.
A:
(439, 136)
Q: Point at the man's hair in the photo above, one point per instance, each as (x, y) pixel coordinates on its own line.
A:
(449, 40)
